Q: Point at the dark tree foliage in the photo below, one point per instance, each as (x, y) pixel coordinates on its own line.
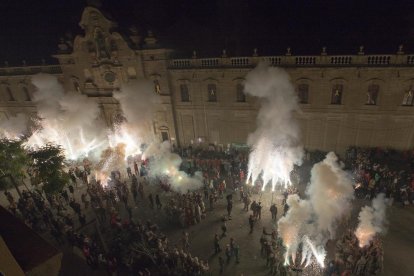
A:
(47, 165)
(13, 162)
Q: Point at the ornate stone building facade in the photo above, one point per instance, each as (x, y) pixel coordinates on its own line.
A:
(363, 100)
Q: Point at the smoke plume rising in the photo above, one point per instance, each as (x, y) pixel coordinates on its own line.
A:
(138, 102)
(330, 193)
(67, 119)
(292, 226)
(275, 143)
(371, 220)
(313, 221)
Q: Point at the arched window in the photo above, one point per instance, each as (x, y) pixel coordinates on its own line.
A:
(303, 93)
(372, 94)
(10, 94)
(26, 94)
(408, 97)
(240, 96)
(185, 96)
(132, 73)
(164, 133)
(336, 96)
(212, 92)
(157, 87)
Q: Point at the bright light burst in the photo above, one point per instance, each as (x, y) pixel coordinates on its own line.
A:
(75, 145)
(308, 250)
(319, 254)
(364, 234)
(122, 135)
(272, 163)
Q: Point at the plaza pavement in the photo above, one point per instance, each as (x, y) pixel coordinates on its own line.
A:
(398, 241)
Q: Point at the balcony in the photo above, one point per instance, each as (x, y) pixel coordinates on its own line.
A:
(359, 60)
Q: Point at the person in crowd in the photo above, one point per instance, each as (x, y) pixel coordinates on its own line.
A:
(273, 210)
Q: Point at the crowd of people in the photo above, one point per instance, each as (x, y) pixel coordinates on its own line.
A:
(185, 209)
(383, 171)
(351, 259)
(127, 244)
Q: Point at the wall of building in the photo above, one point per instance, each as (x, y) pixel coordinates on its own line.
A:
(324, 126)
(97, 66)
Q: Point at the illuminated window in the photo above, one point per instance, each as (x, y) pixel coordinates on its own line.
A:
(303, 93)
(408, 97)
(10, 94)
(157, 87)
(212, 92)
(185, 96)
(241, 97)
(372, 94)
(336, 97)
(132, 74)
(26, 94)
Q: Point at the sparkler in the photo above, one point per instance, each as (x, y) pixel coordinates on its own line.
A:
(319, 254)
(74, 146)
(271, 163)
(123, 135)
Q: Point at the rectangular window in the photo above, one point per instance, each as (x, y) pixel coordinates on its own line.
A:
(164, 136)
(26, 94)
(185, 96)
(241, 97)
(408, 98)
(10, 94)
(303, 93)
(132, 74)
(336, 97)
(212, 92)
(372, 94)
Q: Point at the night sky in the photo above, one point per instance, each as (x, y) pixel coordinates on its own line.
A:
(30, 29)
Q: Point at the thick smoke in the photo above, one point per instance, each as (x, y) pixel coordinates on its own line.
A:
(14, 127)
(330, 193)
(292, 226)
(73, 110)
(275, 143)
(371, 221)
(138, 103)
(68, 119)
(313, 221)
(165, 164)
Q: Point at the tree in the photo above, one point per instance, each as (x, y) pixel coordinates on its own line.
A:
(47, 165)
(13, 161)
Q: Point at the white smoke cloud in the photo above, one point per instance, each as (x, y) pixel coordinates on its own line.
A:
(67, 119)
(14, 127)
(330, 193)
(313, 221)
(371, 220)
(276, 143)
(138, 103)
(292, 226)
(73, 110)
(164, 163)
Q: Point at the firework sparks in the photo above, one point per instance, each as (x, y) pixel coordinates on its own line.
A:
(318, 254)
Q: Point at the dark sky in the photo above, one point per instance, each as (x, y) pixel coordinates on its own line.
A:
(30, 29)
